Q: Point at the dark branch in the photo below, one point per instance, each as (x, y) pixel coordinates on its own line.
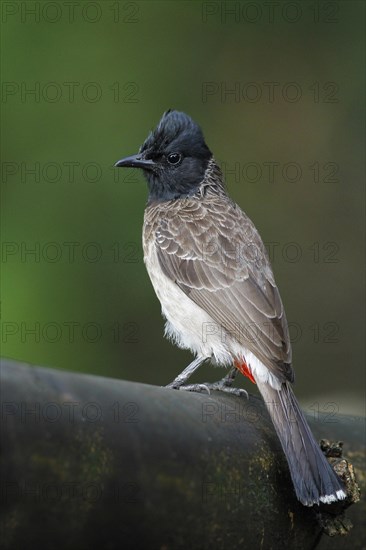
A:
(93, 462)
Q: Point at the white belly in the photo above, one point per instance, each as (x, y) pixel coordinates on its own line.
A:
(190, 327)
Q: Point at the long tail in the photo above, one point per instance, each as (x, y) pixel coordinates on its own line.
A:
(313, 478)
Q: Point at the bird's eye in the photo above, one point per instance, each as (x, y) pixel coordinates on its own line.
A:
(174, 158)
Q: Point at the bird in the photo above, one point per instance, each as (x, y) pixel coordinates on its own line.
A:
(212, 275)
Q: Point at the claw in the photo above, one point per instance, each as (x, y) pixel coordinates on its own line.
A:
(196, 387)
(189, 387)
(239, 392)
(243, 392)
(223, 385)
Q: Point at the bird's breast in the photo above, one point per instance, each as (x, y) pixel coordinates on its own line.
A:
(187, 324)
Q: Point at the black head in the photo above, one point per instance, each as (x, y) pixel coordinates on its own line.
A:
(174, 157)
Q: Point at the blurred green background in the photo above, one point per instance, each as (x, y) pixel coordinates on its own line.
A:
(279, 92)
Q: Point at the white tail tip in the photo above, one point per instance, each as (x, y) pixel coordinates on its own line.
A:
(327, 499)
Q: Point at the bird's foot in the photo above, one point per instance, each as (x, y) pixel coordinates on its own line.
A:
(189, 387)
(223, 385)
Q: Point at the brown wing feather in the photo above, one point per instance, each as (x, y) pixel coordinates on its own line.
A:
(213, 252)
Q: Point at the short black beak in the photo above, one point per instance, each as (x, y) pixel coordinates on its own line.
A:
(136, 161)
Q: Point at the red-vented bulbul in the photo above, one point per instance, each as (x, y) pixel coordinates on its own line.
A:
(211, 272)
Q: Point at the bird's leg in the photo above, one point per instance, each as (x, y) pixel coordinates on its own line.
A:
(225, 384)
(179, 382)
(228, 380)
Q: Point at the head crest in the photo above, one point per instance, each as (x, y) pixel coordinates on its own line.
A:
(172, 124)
